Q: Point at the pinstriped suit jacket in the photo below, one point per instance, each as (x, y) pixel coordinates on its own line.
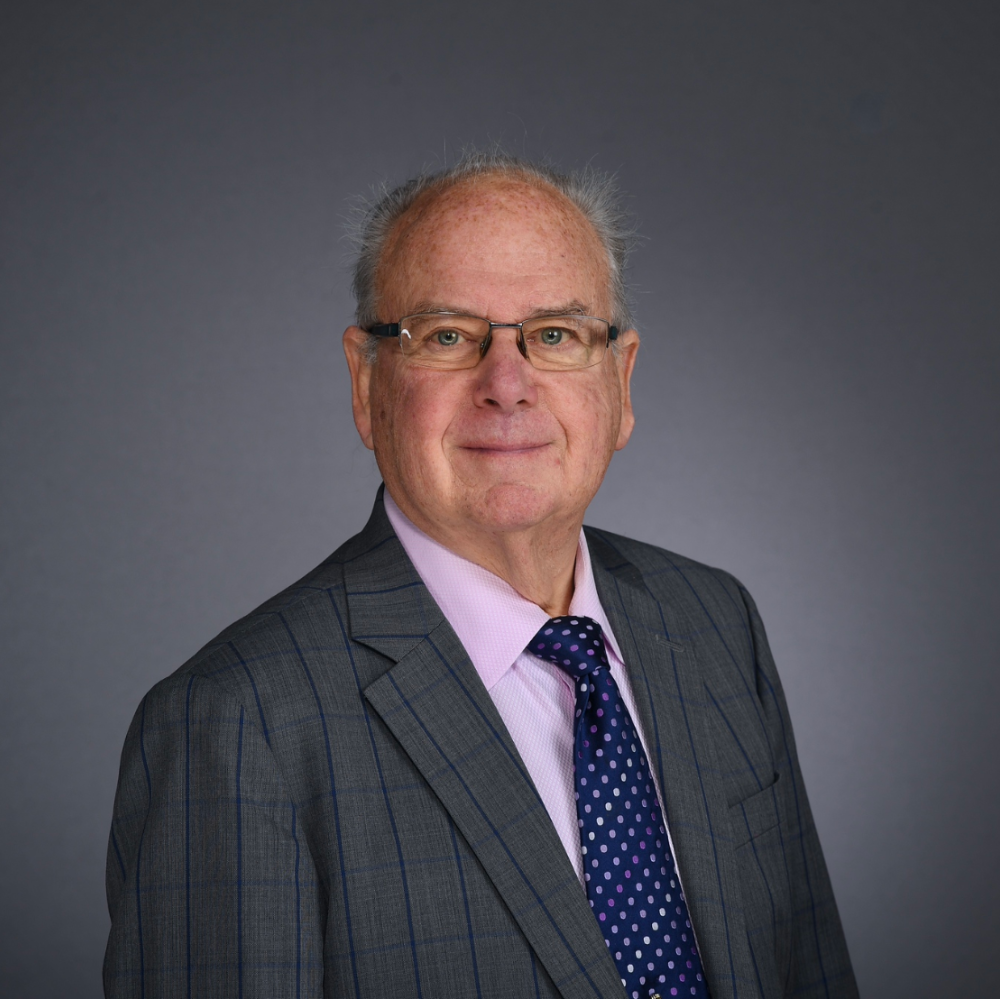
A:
(324, 801)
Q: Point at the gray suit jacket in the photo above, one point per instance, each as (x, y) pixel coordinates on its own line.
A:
(324, 801)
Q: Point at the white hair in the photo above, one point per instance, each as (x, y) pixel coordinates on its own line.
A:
(594, 193)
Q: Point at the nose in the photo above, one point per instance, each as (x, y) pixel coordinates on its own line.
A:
(504, 378)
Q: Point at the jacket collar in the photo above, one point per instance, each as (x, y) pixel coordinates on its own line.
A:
(661, 651)
(430, 696)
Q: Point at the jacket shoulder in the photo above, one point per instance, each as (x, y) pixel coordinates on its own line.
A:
(262, 651)
(667, 575)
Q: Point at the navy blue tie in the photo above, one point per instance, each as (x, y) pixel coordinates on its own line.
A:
(631, 880)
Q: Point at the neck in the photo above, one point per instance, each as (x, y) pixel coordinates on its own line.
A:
(538, 561)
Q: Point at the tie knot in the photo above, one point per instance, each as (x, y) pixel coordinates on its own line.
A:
(574, 642)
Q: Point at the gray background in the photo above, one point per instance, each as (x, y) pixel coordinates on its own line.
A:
(817, 394)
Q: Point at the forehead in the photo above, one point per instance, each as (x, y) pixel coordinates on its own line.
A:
(498, 247)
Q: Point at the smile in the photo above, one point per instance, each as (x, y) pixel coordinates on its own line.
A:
(505, 449)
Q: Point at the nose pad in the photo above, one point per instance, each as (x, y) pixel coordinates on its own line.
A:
(520, 341)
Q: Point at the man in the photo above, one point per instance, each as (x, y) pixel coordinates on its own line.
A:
(479, 751)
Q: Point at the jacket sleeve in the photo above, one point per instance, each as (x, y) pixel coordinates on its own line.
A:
(819, 964)
(211, 886)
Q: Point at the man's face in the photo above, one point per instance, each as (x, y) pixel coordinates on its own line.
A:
(503, 446)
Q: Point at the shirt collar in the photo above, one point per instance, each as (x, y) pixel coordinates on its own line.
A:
(492, 620)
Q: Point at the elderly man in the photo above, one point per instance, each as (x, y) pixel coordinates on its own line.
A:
(479, 751)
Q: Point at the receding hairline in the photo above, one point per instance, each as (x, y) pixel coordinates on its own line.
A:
(428, 200)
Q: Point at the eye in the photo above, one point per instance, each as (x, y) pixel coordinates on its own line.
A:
(551, 336)
(447, 338)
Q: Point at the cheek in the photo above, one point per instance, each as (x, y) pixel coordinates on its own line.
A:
(592, 418)
(411, 414)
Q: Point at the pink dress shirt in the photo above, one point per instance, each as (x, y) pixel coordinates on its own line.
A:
(535, 698)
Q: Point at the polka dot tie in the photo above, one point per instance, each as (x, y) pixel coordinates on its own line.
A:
(631, 880)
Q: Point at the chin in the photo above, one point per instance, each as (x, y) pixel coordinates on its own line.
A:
(513, 507)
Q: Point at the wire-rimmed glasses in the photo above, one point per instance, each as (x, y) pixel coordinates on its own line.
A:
(453, 341)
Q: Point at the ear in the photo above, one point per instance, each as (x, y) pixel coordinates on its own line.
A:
(355, 349)
(628, 348)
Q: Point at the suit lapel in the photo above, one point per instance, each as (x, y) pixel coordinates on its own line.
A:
(438, 709)
(660, 654)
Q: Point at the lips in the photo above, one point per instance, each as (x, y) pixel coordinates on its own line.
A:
(506, 447)
(508, 437)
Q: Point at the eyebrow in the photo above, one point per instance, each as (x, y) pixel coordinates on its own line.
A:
(572, 308)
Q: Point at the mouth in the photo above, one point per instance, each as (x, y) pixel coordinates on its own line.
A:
(505, 448)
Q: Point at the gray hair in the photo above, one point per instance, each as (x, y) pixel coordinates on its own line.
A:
(594, 193)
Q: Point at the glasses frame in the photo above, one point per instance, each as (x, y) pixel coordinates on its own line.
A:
(389, 330)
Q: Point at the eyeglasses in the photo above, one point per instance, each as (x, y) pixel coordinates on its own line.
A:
(452, 341)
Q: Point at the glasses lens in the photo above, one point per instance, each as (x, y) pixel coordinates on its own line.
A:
(559, 342)
(439, 340)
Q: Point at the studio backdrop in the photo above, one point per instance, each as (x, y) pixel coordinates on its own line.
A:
(815, 189)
